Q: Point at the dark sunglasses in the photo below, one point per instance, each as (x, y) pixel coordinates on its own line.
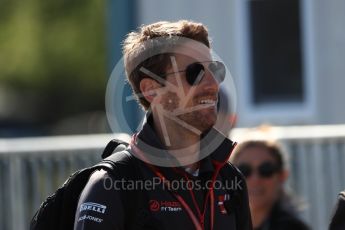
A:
(196, 71)
(265, 170)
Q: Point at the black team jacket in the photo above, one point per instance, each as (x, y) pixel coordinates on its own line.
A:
(338, 219)
(166, 197)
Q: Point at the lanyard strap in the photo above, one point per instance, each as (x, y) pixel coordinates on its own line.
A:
(199, 223)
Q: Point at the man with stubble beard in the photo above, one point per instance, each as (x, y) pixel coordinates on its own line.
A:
(178, 156)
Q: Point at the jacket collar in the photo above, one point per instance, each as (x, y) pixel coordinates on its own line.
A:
(212, 141)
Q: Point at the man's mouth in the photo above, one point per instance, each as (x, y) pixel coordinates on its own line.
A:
(208, 101)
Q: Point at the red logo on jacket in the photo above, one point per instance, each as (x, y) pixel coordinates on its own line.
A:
(221, 200)
(164, 206)
(154, 205)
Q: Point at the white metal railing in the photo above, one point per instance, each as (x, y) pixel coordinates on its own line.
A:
(32, 168)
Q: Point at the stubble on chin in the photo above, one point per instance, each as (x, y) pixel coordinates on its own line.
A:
(170, 101)
(198, 120)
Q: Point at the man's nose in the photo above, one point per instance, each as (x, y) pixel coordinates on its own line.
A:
(209, 82)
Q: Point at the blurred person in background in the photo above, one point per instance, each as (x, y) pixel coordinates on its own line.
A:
(338, 219)
(263, 165)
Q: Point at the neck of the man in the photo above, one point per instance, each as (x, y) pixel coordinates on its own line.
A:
(179, 141)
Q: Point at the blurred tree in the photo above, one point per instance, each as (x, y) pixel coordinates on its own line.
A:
(52, 59)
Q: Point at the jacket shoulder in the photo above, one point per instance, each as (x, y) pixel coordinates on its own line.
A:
(231, 170)
(338, 219)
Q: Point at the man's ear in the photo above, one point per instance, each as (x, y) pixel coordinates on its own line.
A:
(148, 88)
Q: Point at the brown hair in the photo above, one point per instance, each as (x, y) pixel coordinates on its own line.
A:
(135, 45)
(272, 148)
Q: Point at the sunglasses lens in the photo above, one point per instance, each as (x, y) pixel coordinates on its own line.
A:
(194, 73)
(218, 70)
(245, 169)
(267, 169)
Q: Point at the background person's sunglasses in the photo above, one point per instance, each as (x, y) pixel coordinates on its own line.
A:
(193, 71)
(264, 170)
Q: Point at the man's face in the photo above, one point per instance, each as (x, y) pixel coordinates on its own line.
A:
(195, 105)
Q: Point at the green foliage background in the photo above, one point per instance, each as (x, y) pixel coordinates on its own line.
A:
(53, 56)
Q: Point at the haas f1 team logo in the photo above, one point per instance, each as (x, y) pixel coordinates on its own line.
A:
(164, 206)
(154, 205)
